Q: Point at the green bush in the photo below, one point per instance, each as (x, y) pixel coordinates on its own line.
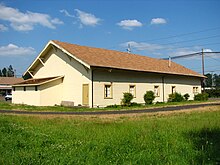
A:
(201, 97)
(149, 97)
(127, 97)
(175, 97)
(213, 92)
(186, 96)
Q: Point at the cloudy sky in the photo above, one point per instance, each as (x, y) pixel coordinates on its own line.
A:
(159, 28)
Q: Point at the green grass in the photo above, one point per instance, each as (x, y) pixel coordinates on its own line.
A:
(170, 139)
(8, 106)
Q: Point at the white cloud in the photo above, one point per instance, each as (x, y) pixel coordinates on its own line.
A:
(26, 21)
(67, 13)
(86, 19)
(3, 28)
(129, 24)
(158, 21)
(207, 50)
(140, 46)
(14, 50)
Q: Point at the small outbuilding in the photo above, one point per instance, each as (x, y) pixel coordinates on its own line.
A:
(81, 75)
(6, 84)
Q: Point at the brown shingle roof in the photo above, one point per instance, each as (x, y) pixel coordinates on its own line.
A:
(10, 80)
(36, 81)
(98, 57)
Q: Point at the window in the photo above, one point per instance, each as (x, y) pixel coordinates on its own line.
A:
(108, 91)
(195, 90)
(13, 88)
(24, 88)
(36, 88)
(156, 91)
(173, 89)
(132, 90)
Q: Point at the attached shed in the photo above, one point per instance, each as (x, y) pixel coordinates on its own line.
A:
(99, 77)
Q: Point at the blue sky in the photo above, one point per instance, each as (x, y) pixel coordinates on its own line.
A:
(148, 26)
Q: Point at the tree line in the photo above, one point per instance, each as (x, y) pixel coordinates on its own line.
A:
(212, 80)
(7, 72)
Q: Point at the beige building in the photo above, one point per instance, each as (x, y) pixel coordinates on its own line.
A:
(66, 73)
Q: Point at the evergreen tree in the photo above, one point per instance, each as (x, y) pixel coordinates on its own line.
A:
(4, 72)
(0, 73)
(10, 71)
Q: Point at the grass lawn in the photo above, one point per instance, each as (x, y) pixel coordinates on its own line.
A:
(176, 138)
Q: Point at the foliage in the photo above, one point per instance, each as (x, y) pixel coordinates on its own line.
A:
(213, 92)
(127, 97)
(208, 80)
(186, 96)
(160, 139)
(7, 72)
(212, 80)
(175, 97)
(201, 97)
(149, 97)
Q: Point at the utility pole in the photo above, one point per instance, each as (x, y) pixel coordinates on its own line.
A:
(203, 66)
(203, 71)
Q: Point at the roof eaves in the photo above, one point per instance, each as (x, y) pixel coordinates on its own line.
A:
(37, 84)
(70, 54)
(150, 71)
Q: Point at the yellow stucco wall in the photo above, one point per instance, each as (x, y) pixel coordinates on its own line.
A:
(30, 96)
(121, 80)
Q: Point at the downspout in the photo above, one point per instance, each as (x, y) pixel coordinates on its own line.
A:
(163, 87)
(92, 87)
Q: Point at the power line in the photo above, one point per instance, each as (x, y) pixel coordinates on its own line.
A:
(190, 55)
(192, 40)
(175, 36)
(184, 34)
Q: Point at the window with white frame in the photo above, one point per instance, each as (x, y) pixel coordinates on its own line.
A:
(195, 90)
(132, 90)
(108, 91)
(156, 91)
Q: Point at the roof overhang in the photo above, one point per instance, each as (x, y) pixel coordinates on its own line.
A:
(50, 45)
(150, 71)
(36, 82)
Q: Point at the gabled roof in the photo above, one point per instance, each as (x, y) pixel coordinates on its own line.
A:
(97, 57)
(37, 81)
(10, 80)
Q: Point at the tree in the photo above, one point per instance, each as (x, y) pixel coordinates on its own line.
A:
(4, 72)
(208, 80)
(0, 73)
(10, 71)
(216, 80)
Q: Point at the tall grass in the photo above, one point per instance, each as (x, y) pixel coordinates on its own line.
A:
(173, 139)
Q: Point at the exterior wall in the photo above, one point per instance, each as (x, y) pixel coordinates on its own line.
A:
(30, 96)
(57, 63)
(121, 80)
(50, 93)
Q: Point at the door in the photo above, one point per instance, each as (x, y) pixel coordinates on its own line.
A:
(85, 94)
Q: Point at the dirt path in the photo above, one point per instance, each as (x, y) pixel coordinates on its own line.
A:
(114, 112)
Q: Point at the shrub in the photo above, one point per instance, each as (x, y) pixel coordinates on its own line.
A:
(213, 92)
(149, 97)
(186, 96)
(127, 97)
(175, 97)
(201, 97)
